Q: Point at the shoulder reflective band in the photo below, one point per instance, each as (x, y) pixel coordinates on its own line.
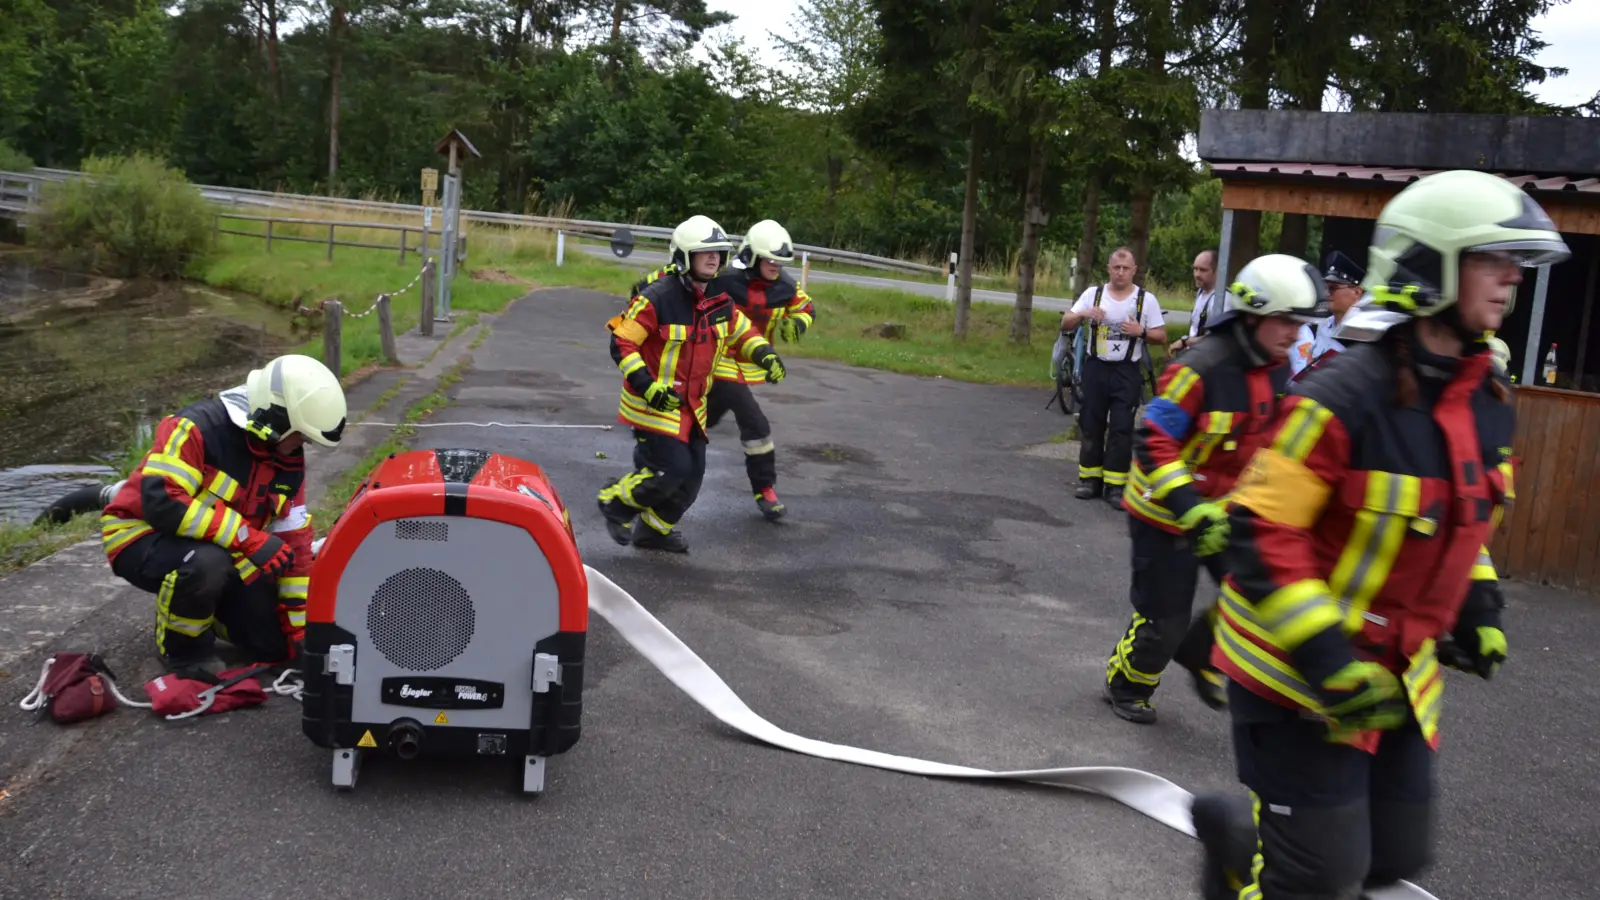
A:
(1150, 794)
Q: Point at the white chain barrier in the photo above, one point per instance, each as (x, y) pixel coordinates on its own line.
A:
(1141, 791)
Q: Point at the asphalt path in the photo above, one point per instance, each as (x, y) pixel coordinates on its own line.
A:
(935, 592)
(643, 259)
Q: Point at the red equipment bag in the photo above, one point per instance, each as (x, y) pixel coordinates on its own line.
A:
(171, 695)
(73, 687)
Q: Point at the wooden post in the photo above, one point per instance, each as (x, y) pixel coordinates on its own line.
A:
(332, 335)
(386, 332)
(269, 235)
(403, 233)
(427, 299)
(330, 241)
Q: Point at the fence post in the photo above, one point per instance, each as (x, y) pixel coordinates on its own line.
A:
(269, 235)
(561, 247)
(805, 269)
(427, 299)
(330, 242)
(403, 234)
(386, 331)
(950, 280)
(332, 335)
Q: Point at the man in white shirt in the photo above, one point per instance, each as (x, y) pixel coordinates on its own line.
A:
(1205, 292)
(1343, 276)
(1122, 319)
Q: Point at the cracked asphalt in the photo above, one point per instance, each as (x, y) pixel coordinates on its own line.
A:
(935, 592)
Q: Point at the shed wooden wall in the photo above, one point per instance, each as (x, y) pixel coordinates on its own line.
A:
(1552, 535)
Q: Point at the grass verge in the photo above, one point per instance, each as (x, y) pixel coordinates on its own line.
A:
(24, 544)
(846, 314)
(504, 263)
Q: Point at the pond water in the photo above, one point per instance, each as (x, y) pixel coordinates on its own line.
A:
(88, 365)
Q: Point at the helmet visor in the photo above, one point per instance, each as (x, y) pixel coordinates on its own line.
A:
(1529, 254)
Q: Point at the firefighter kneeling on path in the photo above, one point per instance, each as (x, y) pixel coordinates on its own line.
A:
(1197, 434)
(213, 520)
(1357, 543)
(667, 345)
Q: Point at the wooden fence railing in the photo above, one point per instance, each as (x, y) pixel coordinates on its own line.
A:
(421, 245)
(1552, 535)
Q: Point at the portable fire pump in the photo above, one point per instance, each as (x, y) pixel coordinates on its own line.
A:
(447, 616)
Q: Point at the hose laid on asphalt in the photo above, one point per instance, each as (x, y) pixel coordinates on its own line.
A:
(1141, 791)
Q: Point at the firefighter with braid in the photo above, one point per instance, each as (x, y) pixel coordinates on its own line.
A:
(1357, 547)
(213, 521)
(1197, 434)
(667, 344)
(780, 310)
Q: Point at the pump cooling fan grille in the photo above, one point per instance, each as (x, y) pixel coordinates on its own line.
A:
(421, 619)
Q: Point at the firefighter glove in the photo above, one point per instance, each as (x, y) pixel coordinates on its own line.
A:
(1207, 527)
(792, 330)
(774, 367)
(1479, 651)
(273, 557)
(1364, 695)
(662, 397)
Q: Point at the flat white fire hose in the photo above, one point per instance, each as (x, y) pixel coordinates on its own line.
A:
(1142, 791)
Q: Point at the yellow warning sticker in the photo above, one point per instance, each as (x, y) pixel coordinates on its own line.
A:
(366, 740)
(441, 719)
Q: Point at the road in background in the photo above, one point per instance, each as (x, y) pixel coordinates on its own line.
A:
(646, 259)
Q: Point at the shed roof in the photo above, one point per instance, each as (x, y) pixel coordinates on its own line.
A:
(1388, 175)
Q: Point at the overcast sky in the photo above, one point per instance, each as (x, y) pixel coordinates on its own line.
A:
(1572, 30)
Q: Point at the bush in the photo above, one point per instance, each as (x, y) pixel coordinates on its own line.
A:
(13, 160)
(132, 216)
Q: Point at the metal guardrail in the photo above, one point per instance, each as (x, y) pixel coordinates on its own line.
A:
(249, 197)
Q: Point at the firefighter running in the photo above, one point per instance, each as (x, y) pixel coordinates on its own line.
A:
(1196, 435)
(667, 344)
(1358, 547)
(779, 310)
(214, 522)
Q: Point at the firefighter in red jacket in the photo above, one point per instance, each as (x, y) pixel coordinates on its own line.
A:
(780, 310)
(213, 521)
(667, 345)
(1357, 543)
(1196, 435)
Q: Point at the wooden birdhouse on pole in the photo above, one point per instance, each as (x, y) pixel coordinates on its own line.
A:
(456, 148)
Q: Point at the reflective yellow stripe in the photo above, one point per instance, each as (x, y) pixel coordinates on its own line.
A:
(677, 333)
(1374, 542)
(1180, 385)
(294, 587)
(116, 533)
(1507, 473)
(1133, 497)
(296, 616)
(175, 440)
(197, 518)
(654, 521)
(1301, 429)
(223, 485)
(631, 363)
(1089, 471)
(638, 412)
(161, 465)
(1114, 479)
(247, 569)
(1168, 478)
(1119, 658)
(1483, 567)
(1296, 613)
(1218, 426)
(1269, 671)
(1424, 683)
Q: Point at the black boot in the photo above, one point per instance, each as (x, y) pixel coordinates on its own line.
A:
(1088, 489)
(769, 504)
(1227, 831)
(619, 516)
(1211, 686)
(1130, 706)
(651, 539)
(1114, 496)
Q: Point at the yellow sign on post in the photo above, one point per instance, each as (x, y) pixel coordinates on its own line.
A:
(430, 180)
(427, 197)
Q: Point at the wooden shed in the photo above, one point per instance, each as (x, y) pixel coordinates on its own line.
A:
(1343, 167)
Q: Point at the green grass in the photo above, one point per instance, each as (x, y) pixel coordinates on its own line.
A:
(22, 544)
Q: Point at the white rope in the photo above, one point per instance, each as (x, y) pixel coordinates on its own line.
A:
(123, 699)
(36, 698)
(293, 688)
(482, 425)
